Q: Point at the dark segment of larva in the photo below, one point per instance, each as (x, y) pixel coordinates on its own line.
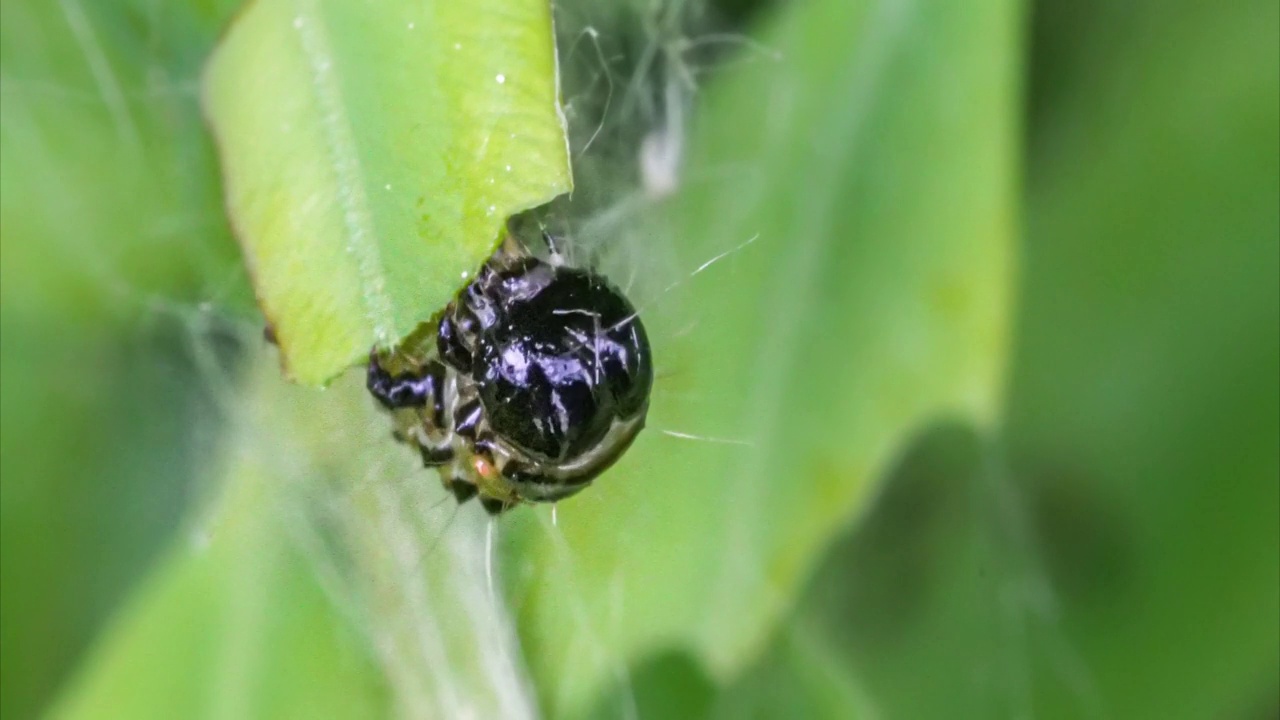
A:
(538, 381)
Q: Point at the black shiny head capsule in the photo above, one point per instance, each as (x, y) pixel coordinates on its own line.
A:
(538, 381)
(565, 359)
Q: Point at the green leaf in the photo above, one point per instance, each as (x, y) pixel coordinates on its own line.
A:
(876, 163)
(371, 158)
(1147, 391)
(108, 192)
(1118, 553)
(236, 629)
(799, 677)
(111, 230)
(334, 578)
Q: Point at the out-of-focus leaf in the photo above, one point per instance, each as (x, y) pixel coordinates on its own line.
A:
(238, 628)
(108, 190)
(876, 163)
(86, 506)
(371, 156)
(799, 677)
(111, 231)
(927, 600)
(334, 579)
(1145, 401)
(1123, 561)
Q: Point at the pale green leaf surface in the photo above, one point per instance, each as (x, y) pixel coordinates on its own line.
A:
(111, 230)
(372, 153)
(108, 197)
(876, 163)
(333, 579)
(233, 626)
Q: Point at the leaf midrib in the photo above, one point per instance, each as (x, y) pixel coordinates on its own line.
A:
(360, 234)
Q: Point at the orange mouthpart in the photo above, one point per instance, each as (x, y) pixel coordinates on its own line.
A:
(484, 467)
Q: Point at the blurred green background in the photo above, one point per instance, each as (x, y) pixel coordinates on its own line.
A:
(1114, 552)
